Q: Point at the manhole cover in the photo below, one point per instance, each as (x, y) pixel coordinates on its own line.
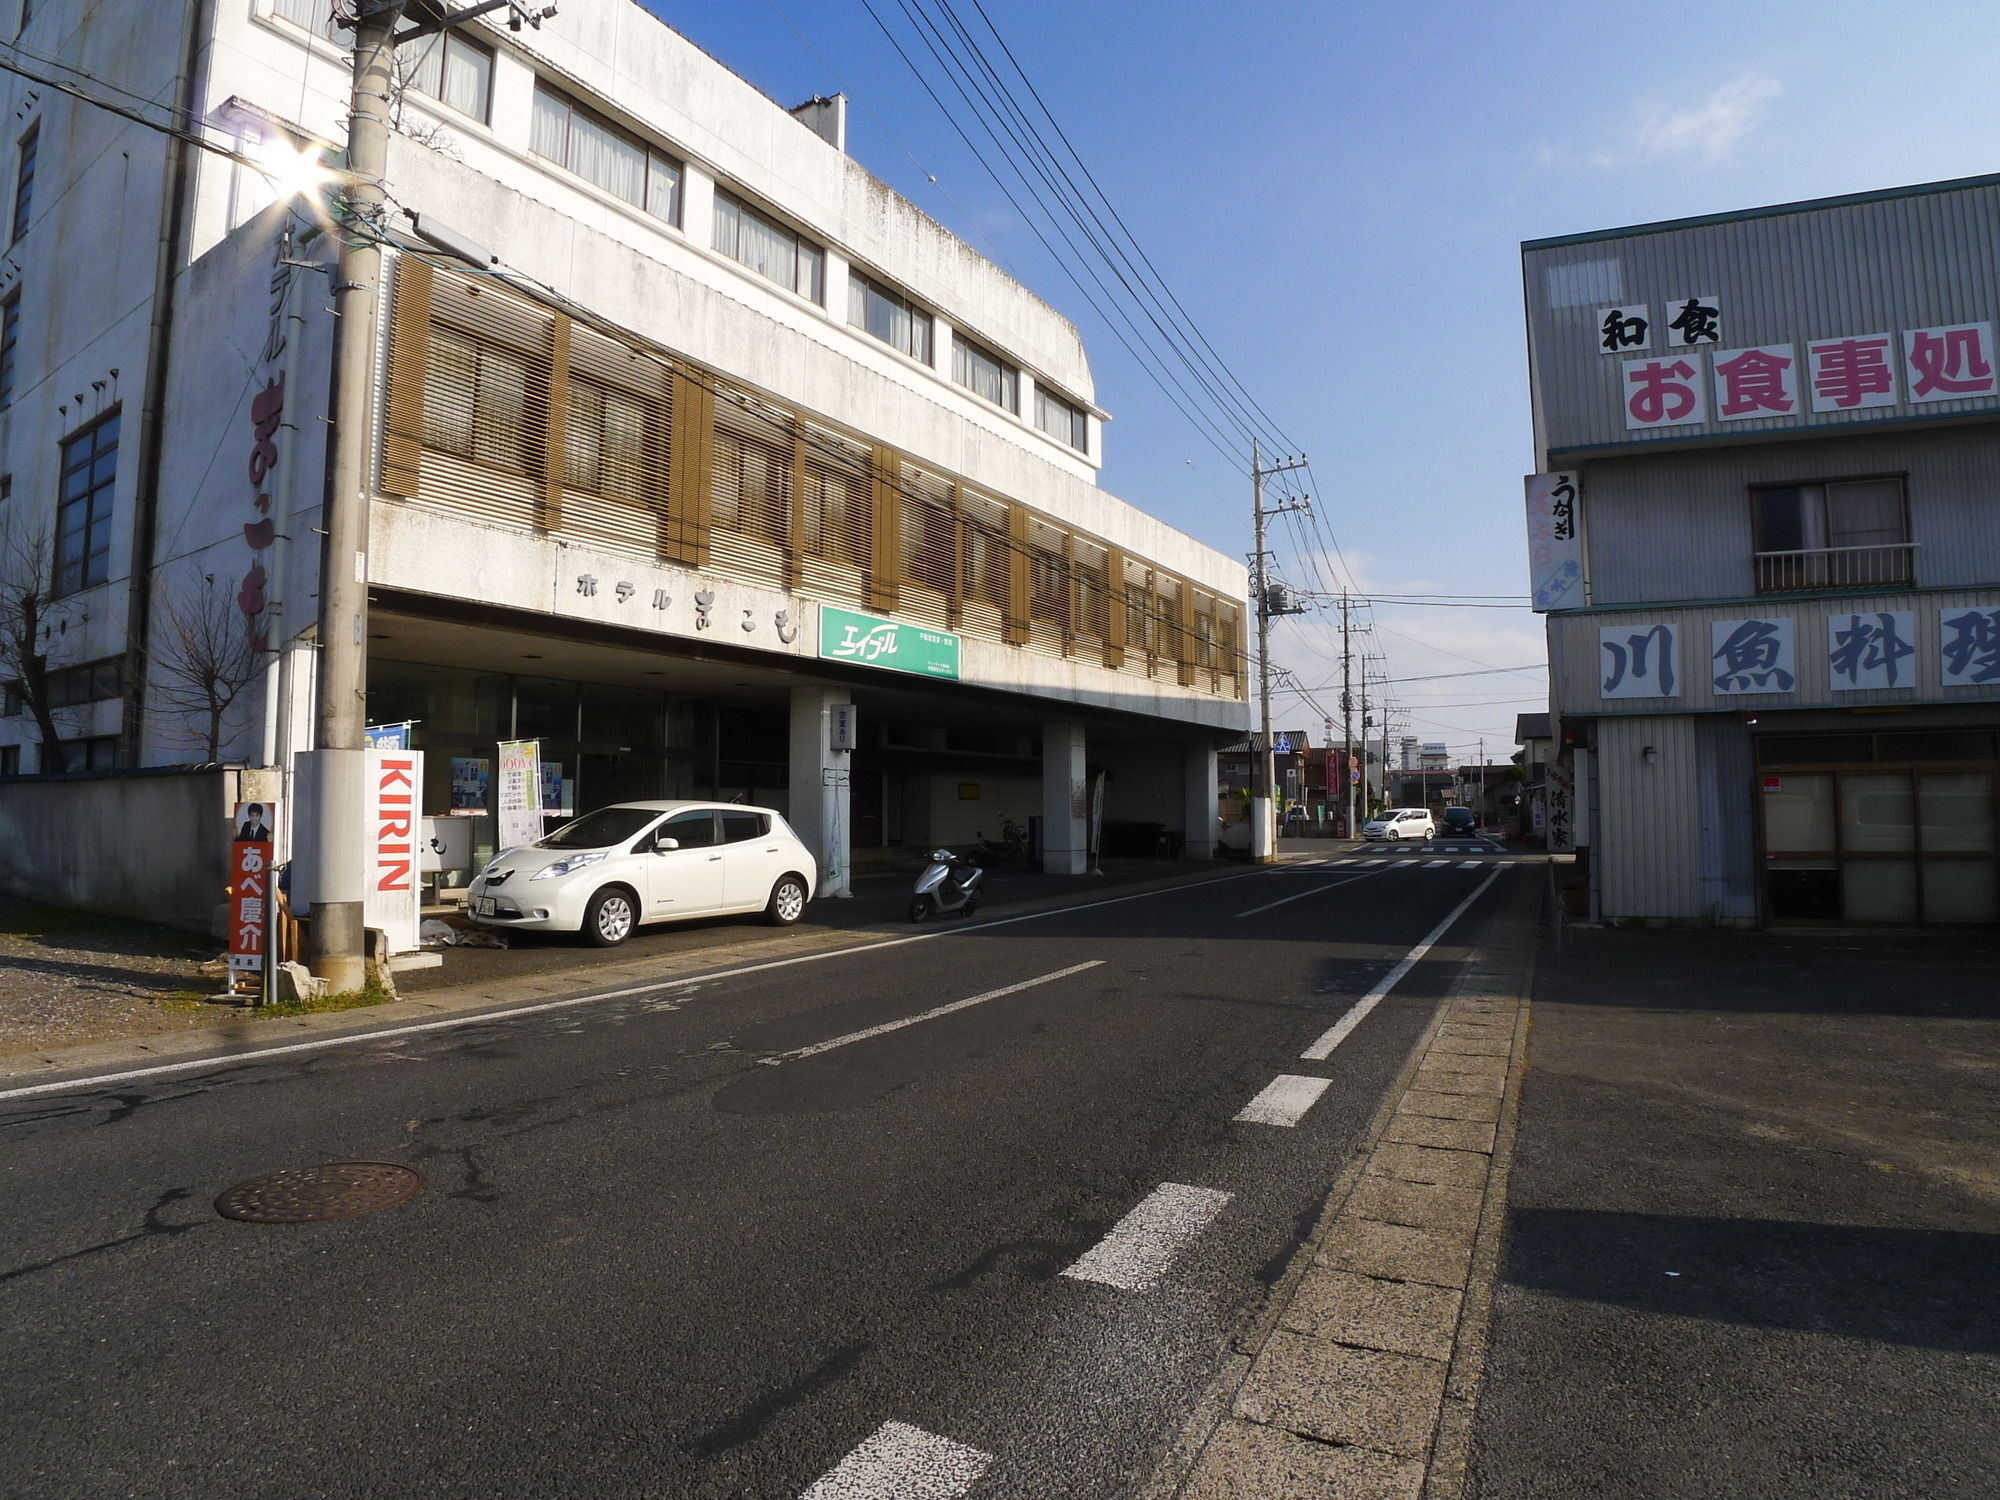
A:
(307, 1195)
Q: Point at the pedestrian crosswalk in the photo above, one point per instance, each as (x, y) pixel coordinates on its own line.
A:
(1463, 854)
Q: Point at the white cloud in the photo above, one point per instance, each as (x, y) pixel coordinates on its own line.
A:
(1709, 131)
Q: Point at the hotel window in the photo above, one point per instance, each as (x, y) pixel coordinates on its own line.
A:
(893, 319)
(1059, 419)
(986, 375)
(10, 335)
(83, 511)
(315, 15)
(450, 68)
(476, 402)
(24, 179)
(598, 151)
(769, 248)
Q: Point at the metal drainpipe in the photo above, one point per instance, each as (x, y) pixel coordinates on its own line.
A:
(159, 344)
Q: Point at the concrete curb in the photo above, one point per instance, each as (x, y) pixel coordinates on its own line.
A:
(248, 1034)
(1363, 1376)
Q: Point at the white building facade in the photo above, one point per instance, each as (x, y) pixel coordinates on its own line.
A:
(699, 456)
(1764, 531)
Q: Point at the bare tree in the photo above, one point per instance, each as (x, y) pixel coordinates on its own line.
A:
(205, 655)
(27, 596)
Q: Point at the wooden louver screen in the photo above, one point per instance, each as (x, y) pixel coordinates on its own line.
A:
(516, 414)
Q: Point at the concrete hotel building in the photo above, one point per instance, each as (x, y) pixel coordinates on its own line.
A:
(718, 456)
(1764, 531)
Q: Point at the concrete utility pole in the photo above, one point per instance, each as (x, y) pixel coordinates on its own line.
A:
(1263, 772)
(334, 846)
(1347, 710)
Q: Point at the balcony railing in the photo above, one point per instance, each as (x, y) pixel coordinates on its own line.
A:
(1836, 568)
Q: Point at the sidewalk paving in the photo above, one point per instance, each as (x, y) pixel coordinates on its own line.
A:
(1753, 1239)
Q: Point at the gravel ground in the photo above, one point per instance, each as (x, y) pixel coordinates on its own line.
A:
(68, 978)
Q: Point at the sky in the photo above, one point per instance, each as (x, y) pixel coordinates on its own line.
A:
(1336, 194)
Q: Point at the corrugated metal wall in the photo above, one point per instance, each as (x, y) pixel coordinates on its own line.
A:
(1913, 261)
(1701, 500)
(1728, 836)
(1649, 836)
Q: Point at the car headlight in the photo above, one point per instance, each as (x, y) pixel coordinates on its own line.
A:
(567, 866)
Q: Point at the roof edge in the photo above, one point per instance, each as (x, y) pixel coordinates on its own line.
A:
(1772, 211)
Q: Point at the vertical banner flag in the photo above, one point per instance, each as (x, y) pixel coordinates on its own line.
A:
(394, 898)
(1555, 545)
(1096, 818)
(250, 893)
(520, 800)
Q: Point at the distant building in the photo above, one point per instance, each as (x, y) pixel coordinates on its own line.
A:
(1763, 530)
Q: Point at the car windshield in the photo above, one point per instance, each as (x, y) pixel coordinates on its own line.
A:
(601, 829)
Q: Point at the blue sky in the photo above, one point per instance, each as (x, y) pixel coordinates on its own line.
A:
(1337, 195)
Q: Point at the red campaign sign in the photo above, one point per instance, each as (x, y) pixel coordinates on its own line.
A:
(250, 891)
(1774, 783)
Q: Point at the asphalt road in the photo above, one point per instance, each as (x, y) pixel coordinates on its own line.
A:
(666, 1251)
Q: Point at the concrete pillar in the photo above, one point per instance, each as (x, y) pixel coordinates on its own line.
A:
(820, 782)
(1198, 808)
(1065, 799)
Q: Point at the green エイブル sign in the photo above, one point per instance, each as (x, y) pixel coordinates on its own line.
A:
(896, 645)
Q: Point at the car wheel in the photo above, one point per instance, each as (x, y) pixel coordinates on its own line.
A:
(922, 908)
(610, 917)
(787, 903)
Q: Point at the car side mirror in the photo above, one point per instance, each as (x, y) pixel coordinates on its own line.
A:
(662, 844)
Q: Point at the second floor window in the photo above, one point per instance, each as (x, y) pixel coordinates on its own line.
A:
(477, 400)
(83, 507)
(1837, 534)
(24, 180)
(986, 375)
(451, 68)
(769, 248)
(598, 151)
(1061, 420)
(893, 319)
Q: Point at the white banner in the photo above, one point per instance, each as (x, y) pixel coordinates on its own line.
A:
(394, 899)
(519, 799)
(1555, 545)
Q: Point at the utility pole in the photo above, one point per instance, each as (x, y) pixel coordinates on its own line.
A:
(1270, 601)
(334, 846)
(1347, 710)
(1364, 740)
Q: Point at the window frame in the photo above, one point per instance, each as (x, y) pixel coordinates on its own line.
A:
(80, 567)
(863, 290)
(1078, 436)
(1758, 538)
(1010, 373)
(10, 338)
(27, 153)
(440, 47)
(725, 199)
(657, 159)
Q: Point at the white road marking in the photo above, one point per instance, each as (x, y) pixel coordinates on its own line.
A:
(1366, 862)
(1470, 864)
(1436, 864)
(1285, 1100)
(1338, 1032)
(1136, 1253)
(506, 1013)
(1317, 890)
(930, 1015)
(901, 1462)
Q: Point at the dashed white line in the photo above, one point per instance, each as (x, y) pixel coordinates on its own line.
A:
(1436, 864)
(1366, 862)
(930, 1015)
(901, 1462)
(1470, 864)
(1337, 1033)
(1136, 1253)
(1284, 1100)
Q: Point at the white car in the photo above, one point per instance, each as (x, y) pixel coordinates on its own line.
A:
(613, 870)
(1401, 823)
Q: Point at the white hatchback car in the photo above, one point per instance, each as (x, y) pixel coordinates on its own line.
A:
(636, 862)
(1401, 823)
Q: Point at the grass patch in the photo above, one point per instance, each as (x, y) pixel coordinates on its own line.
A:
(369, 994)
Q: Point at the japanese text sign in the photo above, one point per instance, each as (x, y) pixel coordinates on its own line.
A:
(520, 801)
(394, 895)
(1753, 656)
(1555, 541)
(1639, 661)
(896, 645)
(250, 886)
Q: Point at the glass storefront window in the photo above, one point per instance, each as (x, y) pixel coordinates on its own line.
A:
(1961, 890)
(1877, 813)
(1798, 815)
(1957, 811)
(1879, 890)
